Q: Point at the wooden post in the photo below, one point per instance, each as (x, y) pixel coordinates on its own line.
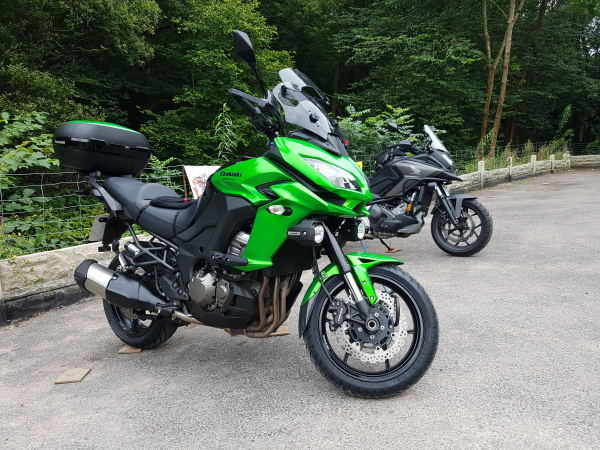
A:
(533, 160)
(567, 160)
(510, 167)
(552, 164)
(481, 169)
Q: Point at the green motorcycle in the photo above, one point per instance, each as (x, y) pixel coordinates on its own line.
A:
(233, 259)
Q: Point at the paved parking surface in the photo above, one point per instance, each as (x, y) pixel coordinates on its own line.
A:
(518, 364)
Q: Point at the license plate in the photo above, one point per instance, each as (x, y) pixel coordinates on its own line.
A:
(97, 232)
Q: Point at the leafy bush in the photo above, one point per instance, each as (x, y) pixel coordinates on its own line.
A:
(367, 133)
(37, 203)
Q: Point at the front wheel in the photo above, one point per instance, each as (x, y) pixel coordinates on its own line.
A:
(389, 358)
(472, 234)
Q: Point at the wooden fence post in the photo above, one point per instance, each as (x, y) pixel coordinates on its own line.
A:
(510, 167)
(533, 160)
(567, 159)
(481, 169)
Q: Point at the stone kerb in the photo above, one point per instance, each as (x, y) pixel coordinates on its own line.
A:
(487, 178)
(585, 161)
(34, 283)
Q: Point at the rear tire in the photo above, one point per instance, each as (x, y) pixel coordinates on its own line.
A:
(134, 331)
(475, 235)
(365, 370)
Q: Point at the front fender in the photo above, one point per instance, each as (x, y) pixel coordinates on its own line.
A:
(360, 262)
(456, 200)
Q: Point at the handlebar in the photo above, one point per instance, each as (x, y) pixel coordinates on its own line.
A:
(246, 102)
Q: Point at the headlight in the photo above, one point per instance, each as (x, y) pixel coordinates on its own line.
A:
(339, 177)
(319, 233)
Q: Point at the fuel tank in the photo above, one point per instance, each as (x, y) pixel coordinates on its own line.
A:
(400, 175)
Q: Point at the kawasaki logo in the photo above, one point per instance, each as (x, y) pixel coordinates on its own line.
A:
(231, 174)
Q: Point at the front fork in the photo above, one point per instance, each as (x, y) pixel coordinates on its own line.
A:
(354, 268)
(443, 194)
(335, 253)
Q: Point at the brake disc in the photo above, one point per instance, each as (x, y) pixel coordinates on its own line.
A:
(467, 232)
(129, 313)
(374, 352)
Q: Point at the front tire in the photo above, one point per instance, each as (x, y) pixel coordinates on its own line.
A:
(473, 234)
(367, 370)
(132, 327)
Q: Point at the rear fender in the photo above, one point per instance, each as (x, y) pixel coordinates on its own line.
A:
(360, 263)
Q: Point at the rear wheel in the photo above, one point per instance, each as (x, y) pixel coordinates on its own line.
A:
(134, 327)
(472, 234)
(391, 357)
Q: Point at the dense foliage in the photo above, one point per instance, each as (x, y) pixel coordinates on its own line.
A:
(165, 66)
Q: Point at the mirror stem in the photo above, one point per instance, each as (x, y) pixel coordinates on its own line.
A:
(262, 86)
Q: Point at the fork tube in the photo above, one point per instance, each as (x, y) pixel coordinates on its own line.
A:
(443, 197)
(335, 253)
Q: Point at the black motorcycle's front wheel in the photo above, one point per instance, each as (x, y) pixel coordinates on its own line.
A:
(134, 327)
(381, 363)
(472, 234)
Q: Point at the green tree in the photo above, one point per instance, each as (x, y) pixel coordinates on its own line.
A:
(419, 55)
(195, 62)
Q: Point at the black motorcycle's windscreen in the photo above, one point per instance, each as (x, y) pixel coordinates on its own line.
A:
(436, 142)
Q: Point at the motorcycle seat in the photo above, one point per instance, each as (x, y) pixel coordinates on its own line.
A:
(137, 199)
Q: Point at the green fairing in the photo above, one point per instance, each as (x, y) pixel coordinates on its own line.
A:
(242, 178)
(361, 263)
(269, 231)
(294, 150)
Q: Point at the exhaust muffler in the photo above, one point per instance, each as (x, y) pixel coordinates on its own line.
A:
(119, 289)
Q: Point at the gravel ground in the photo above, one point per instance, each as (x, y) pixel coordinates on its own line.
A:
(517, 366)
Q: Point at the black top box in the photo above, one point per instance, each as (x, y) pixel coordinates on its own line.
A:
(98, 146)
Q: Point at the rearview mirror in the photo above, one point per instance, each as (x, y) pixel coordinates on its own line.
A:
(392, 127)
(243, 48)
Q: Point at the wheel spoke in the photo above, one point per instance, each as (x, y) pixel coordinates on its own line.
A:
(346, 357)
(387, 365)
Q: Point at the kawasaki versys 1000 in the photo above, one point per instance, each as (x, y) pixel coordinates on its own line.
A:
(233, 258)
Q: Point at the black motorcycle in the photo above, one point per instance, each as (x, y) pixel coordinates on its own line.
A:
(403, 188)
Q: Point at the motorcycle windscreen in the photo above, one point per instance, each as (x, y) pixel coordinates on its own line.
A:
(436, 143)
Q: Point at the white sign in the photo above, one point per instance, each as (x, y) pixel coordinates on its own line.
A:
(198, 177)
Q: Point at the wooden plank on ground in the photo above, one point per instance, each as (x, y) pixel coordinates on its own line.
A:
(128, 349)
(72, 376)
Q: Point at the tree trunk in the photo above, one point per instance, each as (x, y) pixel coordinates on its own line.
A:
(513, 14)
(491, 74)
